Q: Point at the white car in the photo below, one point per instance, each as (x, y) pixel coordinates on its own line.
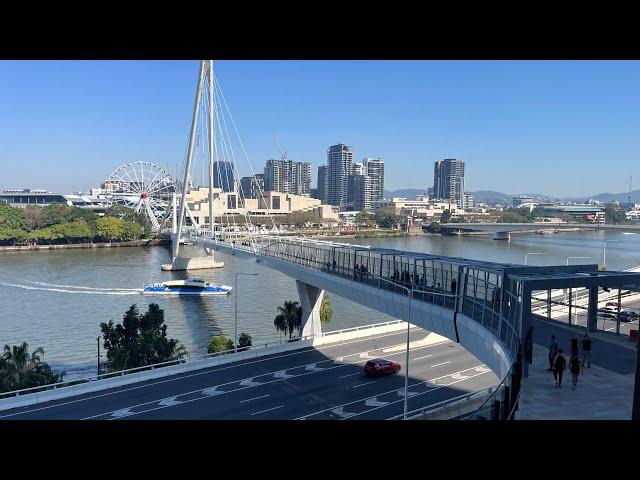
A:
(608, 311)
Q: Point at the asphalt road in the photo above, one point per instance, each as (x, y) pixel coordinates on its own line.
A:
(307, 384)
(607, 324)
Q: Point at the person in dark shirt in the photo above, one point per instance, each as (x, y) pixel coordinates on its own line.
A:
(574, 345)
(454, 285)
(559, 364)
(586, 350)
(574, 368)
(553, 350)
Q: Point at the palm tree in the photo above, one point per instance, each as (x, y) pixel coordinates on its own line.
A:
(20, 370)
(289, 317)
(326, 312)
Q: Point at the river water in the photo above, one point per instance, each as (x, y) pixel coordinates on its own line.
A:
(57, 299)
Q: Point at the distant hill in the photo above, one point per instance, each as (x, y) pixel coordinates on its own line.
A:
(490, 197)
(619, 197)
(408, 193)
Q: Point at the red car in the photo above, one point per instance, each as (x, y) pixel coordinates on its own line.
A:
(380, 366)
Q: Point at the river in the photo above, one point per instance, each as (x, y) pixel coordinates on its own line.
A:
(57, 299)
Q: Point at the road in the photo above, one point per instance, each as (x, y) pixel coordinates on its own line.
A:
(312, 383)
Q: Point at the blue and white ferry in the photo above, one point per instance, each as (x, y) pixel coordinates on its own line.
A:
(190, 286)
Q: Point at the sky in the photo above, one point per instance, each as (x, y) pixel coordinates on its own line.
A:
(559, 128)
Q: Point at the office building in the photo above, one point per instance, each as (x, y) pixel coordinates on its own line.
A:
(287, 176)
(340, 166)
(358, 192)
(252, 186)
(448, 181)
(374, 169)
(521, 200)
(223, 176)
(322, 183)
(468, 201)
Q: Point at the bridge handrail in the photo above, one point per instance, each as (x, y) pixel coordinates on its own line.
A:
(418, 412)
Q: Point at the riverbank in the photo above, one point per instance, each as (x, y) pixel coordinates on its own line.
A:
(132, 243)
(362, 234)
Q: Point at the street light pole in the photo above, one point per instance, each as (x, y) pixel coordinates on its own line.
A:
(406, 369)
(98, 340)
(235, 310)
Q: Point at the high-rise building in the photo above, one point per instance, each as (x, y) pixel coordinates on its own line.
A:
(340, 166)
(252, 186)
(223, 176)
(468, 200)
(322, 184)
(374, 169)
(358, 169)
(358, 192)
(287, 176)
(448, 181)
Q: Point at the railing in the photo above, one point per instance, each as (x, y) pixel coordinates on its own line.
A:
(503, 401)
(451, 408)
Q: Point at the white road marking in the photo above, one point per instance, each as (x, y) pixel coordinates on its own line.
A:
(254, 398)
(351, 375)
(373, 402)
(409, 393)
(282, 374)
(363, 384)
(440, 364)
(169, 402)
(459, 376)
(392, 391)
(340, 412)
(122, 413)
(248, 382)
(267, 410)
(208, 370)
(338, 360)
(426, 356)
(211, 391)
(312, 368)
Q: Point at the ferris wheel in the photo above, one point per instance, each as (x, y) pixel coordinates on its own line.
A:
(144, 187)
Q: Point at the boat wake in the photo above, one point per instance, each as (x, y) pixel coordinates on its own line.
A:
(64, 290)
(81, 287)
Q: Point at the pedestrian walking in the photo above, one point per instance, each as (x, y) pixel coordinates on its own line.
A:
(574, 345)
(586, 350)
(454, 285)
(574, 368)
(559, 364)
(553, 350)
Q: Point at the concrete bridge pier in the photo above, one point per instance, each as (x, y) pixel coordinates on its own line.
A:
(503, 236)
(198, 262)
(310, 301)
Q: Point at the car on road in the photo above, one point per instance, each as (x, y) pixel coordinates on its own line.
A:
(608, 311)
(380, 366)
(627, 315)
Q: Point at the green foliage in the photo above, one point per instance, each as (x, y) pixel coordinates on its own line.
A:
(299, 219)
(387, 218)
(20, 370)
(109, 228)
(434, 227)
(77, 231)
(244, 342)
(13, 236)
(220, 343)
(289, 318)
(364, 219)
(446, 216)
(131, 230)
(12, 218)
(511, 216)
(614, 214)
(129, 215)
(140, 340)
(33, 214)
(326, 312)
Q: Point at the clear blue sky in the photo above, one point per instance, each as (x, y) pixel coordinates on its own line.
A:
(557, 127)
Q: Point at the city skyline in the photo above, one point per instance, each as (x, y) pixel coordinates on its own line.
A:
(545, 127)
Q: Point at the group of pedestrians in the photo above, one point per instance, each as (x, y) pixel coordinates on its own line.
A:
(558, 363)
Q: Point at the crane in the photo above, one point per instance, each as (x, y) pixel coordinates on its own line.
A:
(280, 147)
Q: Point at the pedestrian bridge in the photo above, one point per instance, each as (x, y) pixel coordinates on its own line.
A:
(484, 306)
(503, 231)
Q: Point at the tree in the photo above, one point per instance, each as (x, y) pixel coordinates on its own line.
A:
(32, 214)
(326, 312)
(20, 370)
(109, 228)
(289, 318)
(446, 216)
(511, 216)
(13, 236)
(12, 217)
(140, 340)
(387, 218)
(434, 227)
(613, 213)
(364, 219)
(220, 343)
(244, 341)
(131, 230)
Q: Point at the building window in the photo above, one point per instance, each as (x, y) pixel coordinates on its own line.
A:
(275, 203)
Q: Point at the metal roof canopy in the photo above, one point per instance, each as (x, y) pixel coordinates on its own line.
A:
(626, 280)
